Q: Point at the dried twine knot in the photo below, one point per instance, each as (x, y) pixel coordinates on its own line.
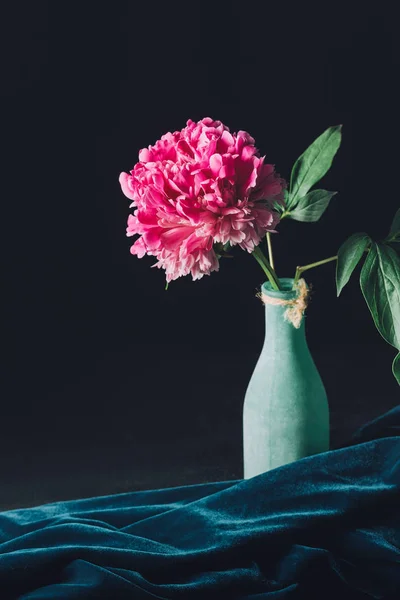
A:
(296, 306)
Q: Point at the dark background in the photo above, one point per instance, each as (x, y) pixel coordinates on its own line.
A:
(111, 383)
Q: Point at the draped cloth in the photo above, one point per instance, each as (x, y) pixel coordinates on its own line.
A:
(324, 527)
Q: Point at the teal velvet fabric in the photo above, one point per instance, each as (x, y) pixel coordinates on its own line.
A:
(325, 527)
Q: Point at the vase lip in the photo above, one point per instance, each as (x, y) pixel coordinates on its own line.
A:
(286, 292)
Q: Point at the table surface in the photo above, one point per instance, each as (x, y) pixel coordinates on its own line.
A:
(126, 425)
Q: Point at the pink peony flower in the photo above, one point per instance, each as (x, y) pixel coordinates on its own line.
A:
(198, 187)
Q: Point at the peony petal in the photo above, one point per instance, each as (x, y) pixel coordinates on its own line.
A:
(215, 164)
(144, 155)
(125, 181)
(133, 226)
(248, 152)
(225, 226)
(152, 238)
(173, 238)
(139, 248)
(230, 210)
(227, 139)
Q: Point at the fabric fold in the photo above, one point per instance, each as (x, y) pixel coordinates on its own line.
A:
(327, 526)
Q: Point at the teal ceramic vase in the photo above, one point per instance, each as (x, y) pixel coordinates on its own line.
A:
(285, 412)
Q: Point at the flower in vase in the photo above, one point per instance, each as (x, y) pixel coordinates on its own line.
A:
(198, 187)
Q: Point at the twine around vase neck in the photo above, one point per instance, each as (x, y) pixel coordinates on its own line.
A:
(295, 306)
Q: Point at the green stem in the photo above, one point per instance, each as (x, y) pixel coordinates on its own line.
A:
(394, 238)
(266, 267)
(301, 270)
(270, 255)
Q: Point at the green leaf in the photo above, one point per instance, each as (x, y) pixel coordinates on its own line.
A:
(312, 165)
(166, 286)
(221, 249)
(396, 368)
(395, 227)
(395, 246)
(349, 255)
(380, 285)
(310, 207)
(280, 207)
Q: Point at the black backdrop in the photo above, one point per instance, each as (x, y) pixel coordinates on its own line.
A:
(110, 382)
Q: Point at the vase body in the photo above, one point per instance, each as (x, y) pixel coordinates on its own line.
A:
(285, 411)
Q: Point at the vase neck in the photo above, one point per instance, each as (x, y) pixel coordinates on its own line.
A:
(279, 331)
(278, 328)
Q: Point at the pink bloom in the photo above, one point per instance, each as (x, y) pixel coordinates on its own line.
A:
(198, 187)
